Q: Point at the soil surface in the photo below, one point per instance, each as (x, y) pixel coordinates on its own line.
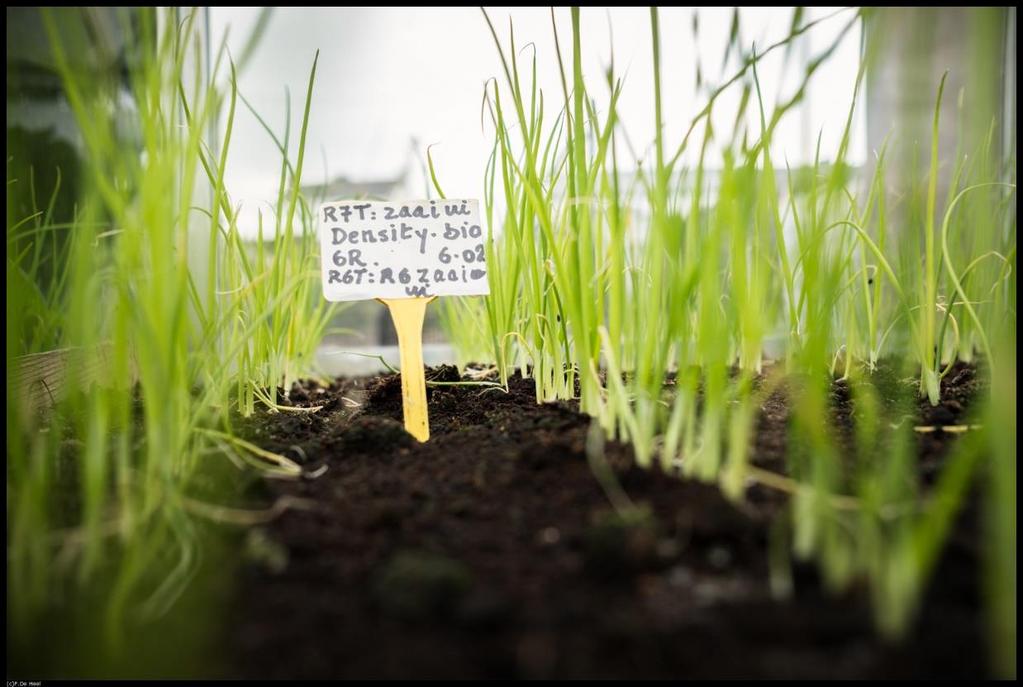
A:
(493, 551)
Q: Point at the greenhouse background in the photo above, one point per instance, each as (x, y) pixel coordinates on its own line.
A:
(388, 161)
(740, 247)
(377, 152)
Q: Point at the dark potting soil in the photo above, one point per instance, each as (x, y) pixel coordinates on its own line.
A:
(493, 551)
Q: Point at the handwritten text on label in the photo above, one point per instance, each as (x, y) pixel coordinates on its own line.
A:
(402, 250)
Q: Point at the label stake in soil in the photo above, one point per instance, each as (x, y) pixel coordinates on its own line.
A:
(404, 254)
(407, 315)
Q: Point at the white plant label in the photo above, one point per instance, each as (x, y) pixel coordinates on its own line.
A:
(402, 249)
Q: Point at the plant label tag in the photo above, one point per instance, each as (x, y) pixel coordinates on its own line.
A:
(404, 255)
(409, 249)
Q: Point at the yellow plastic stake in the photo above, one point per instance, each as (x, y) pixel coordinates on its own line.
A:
(407, 315)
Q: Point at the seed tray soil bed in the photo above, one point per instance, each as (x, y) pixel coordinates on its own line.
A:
(493, 551)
